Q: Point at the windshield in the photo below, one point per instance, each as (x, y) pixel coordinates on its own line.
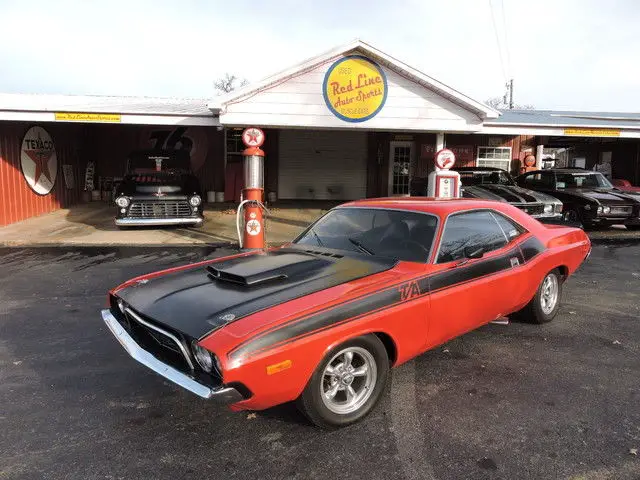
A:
(582, 180)
(396, 234)
(497, 177)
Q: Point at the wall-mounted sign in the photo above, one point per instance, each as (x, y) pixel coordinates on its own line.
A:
(252, 137)
(592, 132)
(39, 161)
(88, 117)
(355, 88)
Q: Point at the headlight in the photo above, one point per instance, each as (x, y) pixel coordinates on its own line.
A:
(195, 200)
(548, 208)
(203, 357)
(606, 209)
(122, 202)
(558, 207)
(599, 208)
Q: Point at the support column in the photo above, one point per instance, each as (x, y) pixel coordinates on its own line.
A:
(539, 152)
(439, 141)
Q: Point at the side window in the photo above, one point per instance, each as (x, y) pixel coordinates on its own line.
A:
(472, 230)
(533, 180)
(511, 229)
(548, 180)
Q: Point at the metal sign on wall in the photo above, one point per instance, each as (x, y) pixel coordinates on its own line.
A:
(38, 160)
(355, 88)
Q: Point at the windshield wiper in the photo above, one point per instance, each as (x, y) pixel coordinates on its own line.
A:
(360, 246)
(317, 237)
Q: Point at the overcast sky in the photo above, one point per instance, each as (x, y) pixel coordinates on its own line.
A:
(563, 54)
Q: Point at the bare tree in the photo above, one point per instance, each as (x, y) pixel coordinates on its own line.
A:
(228, 83)
(499, 104)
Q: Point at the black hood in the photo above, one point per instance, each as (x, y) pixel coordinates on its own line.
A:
(159, 184)
(198, 300)
(604, 196)
(506, 193)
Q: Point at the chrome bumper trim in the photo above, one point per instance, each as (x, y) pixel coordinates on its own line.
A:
(141, 222)
(222, 394)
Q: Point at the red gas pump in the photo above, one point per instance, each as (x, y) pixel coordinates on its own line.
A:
(250, 225)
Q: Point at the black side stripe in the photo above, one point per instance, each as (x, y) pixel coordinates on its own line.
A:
(387, 298)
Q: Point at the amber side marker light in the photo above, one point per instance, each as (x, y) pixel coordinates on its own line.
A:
(278, 367)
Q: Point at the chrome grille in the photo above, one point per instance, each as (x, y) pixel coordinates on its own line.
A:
(621, 210)
(165, 209)
(530, 208)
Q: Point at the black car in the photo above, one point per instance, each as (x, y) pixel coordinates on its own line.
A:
(159, 189)
(496, 184)
(588, 197)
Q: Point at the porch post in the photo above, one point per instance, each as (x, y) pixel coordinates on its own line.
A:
(439, 141)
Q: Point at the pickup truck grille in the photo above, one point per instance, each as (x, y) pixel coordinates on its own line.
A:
(163, 209)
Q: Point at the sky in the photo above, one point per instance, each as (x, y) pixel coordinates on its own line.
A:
(562, 54)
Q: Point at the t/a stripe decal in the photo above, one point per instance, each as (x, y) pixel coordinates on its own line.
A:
(387, 298)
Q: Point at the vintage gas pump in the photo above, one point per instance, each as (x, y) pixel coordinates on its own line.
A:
(443, 183)
(251, 213)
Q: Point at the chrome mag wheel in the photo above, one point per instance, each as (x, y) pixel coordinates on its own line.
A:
(549, 294)
(348, 380)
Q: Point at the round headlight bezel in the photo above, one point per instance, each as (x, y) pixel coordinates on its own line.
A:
(203, 356)
(123, 202)
(606, 209)
(548, 208)
(195, 200)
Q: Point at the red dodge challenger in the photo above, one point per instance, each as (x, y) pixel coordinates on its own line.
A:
(321, 320)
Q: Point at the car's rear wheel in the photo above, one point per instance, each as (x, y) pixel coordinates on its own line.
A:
(347, 384)
(544, 306)
(572, 216)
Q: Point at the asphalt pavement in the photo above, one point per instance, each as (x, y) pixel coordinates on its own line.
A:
(513, 401)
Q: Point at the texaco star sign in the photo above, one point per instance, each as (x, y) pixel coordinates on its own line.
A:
(39, 161)
(253, 137)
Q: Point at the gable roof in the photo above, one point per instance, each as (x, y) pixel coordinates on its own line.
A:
(357, 46)
(566, 118)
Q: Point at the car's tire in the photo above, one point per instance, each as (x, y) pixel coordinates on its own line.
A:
(572, 216)
(334, 397)
(544, 305)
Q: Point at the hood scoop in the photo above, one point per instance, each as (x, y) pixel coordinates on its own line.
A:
(259, 269)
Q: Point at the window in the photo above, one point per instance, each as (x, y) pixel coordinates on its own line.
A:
(235, 146)
(582, 180)
(397, 234)
(472, 230)
(539, 180)
(499, 157)
(511, 229)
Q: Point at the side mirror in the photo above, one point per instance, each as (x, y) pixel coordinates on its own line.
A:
(473, 252)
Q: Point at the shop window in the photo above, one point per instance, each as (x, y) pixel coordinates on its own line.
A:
(499, 157)
(235, 146)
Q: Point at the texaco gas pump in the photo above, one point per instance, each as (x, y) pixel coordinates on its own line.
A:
(443, 183)
(250, 226)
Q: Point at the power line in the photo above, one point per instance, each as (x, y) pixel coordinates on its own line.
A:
(495, 31)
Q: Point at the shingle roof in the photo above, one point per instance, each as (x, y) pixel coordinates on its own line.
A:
(558, 118)
(105, 104)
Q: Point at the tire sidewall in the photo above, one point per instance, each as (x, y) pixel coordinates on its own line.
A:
(540, 315)
(312, 396)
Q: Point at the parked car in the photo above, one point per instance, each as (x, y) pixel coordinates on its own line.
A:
(496, 184)
(159, 189)
(368, 286)
(588, 197)
(625, 186)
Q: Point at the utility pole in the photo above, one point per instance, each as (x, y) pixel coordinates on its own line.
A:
(511, 94)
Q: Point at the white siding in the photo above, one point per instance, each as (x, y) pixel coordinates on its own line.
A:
(322, 165)
(298, 102)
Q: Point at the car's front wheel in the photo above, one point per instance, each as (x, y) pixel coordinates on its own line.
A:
(347, 384)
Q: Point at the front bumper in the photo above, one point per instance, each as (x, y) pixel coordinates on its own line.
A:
(141, 222)
(223, 395)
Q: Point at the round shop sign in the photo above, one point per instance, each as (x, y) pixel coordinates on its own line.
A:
(355, 88)
(253, 227)
(39, 161)
(252, 137)
(445, 159)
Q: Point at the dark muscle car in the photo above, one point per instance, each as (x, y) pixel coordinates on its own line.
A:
(496, 184)
(588, 197)
(367, 287)
(159, 189)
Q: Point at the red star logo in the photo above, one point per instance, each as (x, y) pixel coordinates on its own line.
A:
(41, 160)
(252, 136)
(253, 226)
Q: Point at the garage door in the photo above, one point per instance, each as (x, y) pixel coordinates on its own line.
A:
(323, 165)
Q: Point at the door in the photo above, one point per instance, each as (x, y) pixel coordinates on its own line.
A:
(400, 159)
(469, 290)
